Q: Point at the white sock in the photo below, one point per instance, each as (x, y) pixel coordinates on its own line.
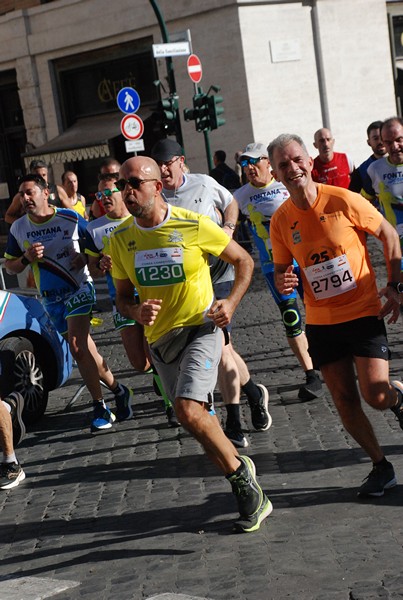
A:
(8, 407)
(11, 458)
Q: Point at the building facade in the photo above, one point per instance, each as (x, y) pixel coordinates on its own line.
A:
(282, 65)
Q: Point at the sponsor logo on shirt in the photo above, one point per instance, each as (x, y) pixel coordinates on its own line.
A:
(45, 232)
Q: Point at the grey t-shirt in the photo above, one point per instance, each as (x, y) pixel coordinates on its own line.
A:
(202, 194)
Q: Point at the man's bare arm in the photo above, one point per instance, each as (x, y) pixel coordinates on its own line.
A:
(144, 313)
(14, 211)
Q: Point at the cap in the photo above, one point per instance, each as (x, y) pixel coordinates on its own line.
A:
(165, 149)
(255, 150)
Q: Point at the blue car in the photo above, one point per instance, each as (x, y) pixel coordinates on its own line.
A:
(35, 359)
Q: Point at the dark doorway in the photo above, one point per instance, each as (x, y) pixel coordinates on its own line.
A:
(12, 142)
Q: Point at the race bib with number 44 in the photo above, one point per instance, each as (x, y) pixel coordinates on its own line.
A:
(330, 278)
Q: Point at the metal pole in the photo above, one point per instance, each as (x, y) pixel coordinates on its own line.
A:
(206, 136)
(319, 65)
(170, 67)
(208, 150)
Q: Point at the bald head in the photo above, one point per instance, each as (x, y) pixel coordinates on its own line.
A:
(142, 167)
(140, 182)
(324, 142)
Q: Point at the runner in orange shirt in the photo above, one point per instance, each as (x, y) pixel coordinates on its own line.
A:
(323, 228)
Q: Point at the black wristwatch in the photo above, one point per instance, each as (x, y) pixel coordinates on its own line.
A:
(25, 261)
(396, 286)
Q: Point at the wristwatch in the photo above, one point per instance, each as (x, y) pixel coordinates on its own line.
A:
(396, 286)
(25, 261)
(229, 225)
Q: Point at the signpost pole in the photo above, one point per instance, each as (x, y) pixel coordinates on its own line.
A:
(208, 150)
(170, 68)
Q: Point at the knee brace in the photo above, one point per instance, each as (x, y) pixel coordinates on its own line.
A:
(291, 317)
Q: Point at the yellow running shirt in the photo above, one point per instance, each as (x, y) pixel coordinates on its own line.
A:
(170, 261)
(328, 242)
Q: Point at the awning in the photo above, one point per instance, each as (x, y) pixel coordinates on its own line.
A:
(87, 138)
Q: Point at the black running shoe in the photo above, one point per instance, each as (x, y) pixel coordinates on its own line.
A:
(11, 475)
(312, 389)
(261, 418)
(237, 437)
(171, 416)
(16, 401)
(253, 504)
(124, 401)
(398, 409)
(381, 478)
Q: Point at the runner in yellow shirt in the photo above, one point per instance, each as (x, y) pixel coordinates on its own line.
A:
(164, 253)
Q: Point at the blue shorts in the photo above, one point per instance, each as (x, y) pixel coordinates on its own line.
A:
(77, 304)
(119, 321)
(398, 213)
(278, 298)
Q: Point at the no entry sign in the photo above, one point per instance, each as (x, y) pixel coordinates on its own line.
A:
(194, 68)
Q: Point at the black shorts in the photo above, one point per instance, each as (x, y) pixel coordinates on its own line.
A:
(361, 337)
(221, 291)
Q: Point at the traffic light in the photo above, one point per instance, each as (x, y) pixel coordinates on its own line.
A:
(215, 111)
(205, 111)
(169, 108)
(199, 112)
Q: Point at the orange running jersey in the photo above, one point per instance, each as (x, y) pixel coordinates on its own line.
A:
(328, 242)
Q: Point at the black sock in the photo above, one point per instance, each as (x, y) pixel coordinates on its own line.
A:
(252, 392)
(381, 463)
(118, 390)
(311, 375)
(233, 417)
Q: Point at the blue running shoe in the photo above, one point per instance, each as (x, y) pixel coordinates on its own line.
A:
(123, 403)
(103, 418)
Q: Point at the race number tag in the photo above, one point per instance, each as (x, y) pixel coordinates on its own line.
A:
(330, 278)
(162, 266)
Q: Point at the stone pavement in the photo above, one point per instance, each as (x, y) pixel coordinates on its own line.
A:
(139, 513)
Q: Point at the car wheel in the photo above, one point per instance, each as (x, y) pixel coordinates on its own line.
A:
(21, 372)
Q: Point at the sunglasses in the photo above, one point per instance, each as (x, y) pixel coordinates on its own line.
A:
(167, 163)
(107, 193)
(133, 182)
(244, 162)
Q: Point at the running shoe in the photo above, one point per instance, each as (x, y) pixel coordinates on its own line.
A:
(253, 504)
(16, 401)
(171, 416)
(398, 408)
(261, 418)
(236, 437)
(123, 404)
(11, 475)
(312, 389)
(103, 418)
(381, 478)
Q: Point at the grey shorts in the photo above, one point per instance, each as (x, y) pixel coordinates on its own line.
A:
(193, 374)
